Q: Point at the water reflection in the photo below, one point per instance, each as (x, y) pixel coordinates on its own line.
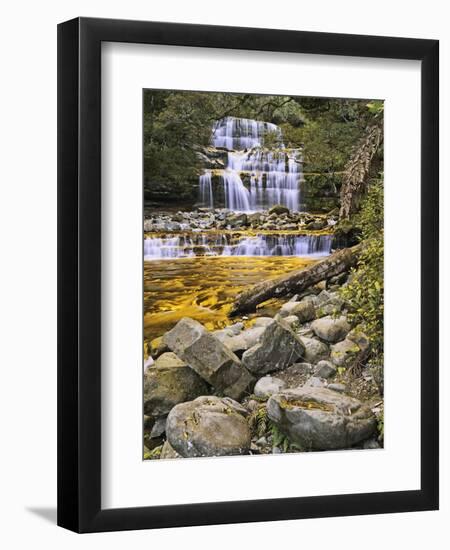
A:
(204, 288)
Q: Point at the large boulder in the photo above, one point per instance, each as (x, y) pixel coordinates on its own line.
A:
(267, 386)
(208, 426)
(331, 329)
(170, 381)
(277, 348)
(320, 419)
(304, 310)
(315, 350)
(209, 357)
(243, 341)
(278, 210)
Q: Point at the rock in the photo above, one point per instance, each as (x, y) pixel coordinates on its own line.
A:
(262, 322)
(209, 357)
(244, 340)
(324, 369)
(371, 444)
(321, 419)
(299, 368)
(303, 310)
(315, 350)
(343, 353)
(315, 382)
(292, 321)
(267, 386)
(208, 426)
(337, 387)
(237, 328)
(168, 382)
(237, 220)
(278, 347)
(168, 451)
(359, 338)
(279, 209)
(330, 329)
(159, 427)
(157, 347)
(262, 442)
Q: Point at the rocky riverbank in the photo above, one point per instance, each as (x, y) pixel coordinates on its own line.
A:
(294, 381)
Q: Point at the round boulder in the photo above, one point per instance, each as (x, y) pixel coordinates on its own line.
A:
(320, 419)
(209, 426)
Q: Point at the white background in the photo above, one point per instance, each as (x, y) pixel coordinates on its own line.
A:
(126, 479)
(28, 299)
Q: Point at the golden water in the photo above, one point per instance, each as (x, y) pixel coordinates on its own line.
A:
(204, 288)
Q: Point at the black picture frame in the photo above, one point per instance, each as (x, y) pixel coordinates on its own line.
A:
(79, 274)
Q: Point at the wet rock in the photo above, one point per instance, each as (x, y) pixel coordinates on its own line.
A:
(315, 350)
(209, 426)
(168, 382)
(321, 419)
(267, 386)
(325, 369)
(277, 348)
(209, 357)
(237, 220)
(303, 310)
(278, 209)
(330, 329)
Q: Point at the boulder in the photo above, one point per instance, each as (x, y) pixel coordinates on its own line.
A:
(209, 357)
(245, 340)
(315, 350)
(292, 321)
(262, 322)
(320, 419)
(170, 381)
(330, 329)
(157, 347)
(208, 426)
(277, 348)
(267, 386)
(344, 353)
(304, 310)
(278, 210)
(237, 220)
(359, 338)
(168, 451)
(325, 369)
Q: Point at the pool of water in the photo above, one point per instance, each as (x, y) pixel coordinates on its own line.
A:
(204, 288)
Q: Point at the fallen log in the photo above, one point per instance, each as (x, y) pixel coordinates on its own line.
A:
(296, 281)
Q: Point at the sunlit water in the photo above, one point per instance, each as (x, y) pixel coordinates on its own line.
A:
(204, 288)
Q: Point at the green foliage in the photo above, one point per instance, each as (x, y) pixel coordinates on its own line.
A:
(259, 421)
(153, 454)
(365, 291)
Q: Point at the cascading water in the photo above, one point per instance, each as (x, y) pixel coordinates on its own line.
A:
(206, 193)
(256, 177)
(222, 244)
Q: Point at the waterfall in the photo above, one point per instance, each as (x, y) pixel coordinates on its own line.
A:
(255, 178)
(223, 244)
(205, 188)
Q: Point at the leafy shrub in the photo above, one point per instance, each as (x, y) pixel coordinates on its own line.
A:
(365, 291)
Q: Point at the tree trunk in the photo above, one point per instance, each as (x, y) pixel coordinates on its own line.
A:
(296, 281)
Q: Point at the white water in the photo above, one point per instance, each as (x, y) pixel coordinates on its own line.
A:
(187, 246)
(206, 193)
(272, 176)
